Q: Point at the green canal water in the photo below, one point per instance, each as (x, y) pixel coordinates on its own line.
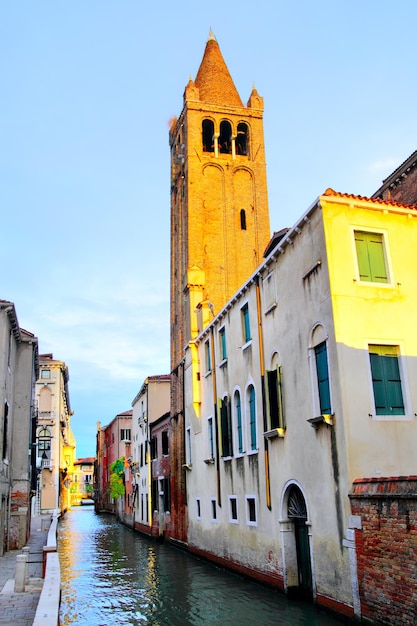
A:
(113, 576)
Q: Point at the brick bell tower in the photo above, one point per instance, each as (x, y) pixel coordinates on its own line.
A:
(219, 219)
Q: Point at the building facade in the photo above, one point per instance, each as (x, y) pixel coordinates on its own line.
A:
(19, 366)
(55, 442)
(302, 422)
(150, 461)
(82, 484)
(292, 399)
(114, 442)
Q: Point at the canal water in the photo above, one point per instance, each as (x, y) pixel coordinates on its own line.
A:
(113, 576)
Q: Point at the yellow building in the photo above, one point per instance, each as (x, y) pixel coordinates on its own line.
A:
(55, 441)
(82, 483)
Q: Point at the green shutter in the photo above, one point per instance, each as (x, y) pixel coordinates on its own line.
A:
(386, 380)
(371, 257)
(323, 378)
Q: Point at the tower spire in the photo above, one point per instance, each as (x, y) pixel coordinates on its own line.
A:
(213, 78)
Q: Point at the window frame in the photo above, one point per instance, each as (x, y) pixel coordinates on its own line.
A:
(210, 436)
(238, 424)
(226, 427)
(207, 357)
(233, 509)
(214, 517)
(249, 522)
(400, 360)
(222, 345)
(385, 252)
(251, 420)
(269, 289)
(274, 398)
(246, 328)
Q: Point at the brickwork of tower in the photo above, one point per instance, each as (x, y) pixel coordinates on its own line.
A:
(219, 222)
(219, 205)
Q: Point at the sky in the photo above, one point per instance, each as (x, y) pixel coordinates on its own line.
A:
(88, 88)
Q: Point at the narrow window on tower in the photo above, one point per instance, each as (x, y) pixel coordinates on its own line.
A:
(208, 136)
(242, 139)
(242, 219)
(225, 138)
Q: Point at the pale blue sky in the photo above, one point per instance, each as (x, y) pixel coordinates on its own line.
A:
(88, 89)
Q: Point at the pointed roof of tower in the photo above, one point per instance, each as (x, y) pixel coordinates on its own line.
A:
(213, 79)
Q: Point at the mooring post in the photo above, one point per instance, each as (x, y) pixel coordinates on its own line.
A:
(20, 573)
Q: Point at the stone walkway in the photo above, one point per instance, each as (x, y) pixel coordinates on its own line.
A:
(18, 609)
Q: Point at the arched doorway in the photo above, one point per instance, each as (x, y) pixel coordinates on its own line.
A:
(296, 543)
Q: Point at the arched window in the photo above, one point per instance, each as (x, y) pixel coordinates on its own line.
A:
(238, 422)
(225, 138)
(242, 139)
(44, 444)
(208, 136)
(45, 400)
(319, 367)
(252, 417)
(226, 427)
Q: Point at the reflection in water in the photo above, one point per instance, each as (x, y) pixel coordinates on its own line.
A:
(113, 576)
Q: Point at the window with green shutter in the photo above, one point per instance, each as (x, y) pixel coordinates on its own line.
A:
(371, 257)
(274, 384)
(323, 378)
(386, 380)
(246, 323)
(226, 427)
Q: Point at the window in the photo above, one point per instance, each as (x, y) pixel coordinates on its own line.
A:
(269, 292)
(208, 136)
(198, 504)
(233, 510)
(223, 348)
(242, 139)
(386, 380)
(210, 437)
(252, 417)
(371, 257)
(164, 491)
(165, 446)
(125, 434)
(207, 355)
(242, 219)
(322, 369)
(46, 374)
(44, 444)
(274, 390)
(251, 511)
(154, 448)
(238, 422)
(213, 510)
(5, 431)
(188, 456)
(225, 138)
(246, 324)
(275, 408)
(226, 426)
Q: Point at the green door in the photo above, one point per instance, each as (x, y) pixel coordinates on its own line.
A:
(297, 512)
(303, 556)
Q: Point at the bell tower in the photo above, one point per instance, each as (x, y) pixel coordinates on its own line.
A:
(219, 205)
(219, 224)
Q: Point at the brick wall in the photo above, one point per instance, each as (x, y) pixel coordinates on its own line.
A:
(387, 548)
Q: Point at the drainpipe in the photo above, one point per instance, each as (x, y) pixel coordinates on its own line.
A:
(216, 426)
(264, 412)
